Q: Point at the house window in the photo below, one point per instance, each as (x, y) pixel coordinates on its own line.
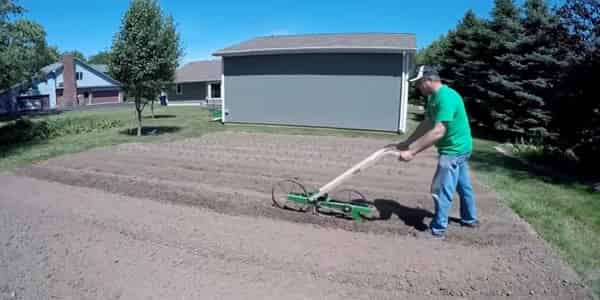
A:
(78, 75)
(215, 90)
(178, 89)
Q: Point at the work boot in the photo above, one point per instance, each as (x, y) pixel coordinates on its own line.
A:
(430, 235)
(470, 225)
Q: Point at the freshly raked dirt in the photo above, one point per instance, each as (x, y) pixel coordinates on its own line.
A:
(84, 226)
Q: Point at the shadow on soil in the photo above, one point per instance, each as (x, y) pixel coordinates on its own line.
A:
(413, 217)
(151, 130)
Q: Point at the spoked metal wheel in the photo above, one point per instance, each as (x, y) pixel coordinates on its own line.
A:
(283, 189)
(356, 198)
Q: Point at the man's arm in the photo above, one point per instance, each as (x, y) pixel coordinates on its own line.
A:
(423, 127)
(431, 136)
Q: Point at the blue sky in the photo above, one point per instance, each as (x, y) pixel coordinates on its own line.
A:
(206, 26)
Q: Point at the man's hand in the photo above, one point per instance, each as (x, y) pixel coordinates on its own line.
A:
(406, 155)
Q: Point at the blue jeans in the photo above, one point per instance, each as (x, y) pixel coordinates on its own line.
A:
(452, 175)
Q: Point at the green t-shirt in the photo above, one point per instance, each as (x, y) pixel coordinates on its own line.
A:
(447, 106)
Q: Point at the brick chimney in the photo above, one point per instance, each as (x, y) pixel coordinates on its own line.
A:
(69, 82)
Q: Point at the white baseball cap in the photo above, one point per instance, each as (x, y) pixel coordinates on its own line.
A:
(425, 72)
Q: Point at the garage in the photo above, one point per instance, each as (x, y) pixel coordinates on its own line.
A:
(354, 81)
(107, 96)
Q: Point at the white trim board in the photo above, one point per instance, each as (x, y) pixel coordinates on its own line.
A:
(404, 94)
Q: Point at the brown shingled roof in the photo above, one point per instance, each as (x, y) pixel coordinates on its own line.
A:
(323, 43)
(204, 70)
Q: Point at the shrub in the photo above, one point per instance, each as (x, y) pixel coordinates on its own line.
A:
(25, 130)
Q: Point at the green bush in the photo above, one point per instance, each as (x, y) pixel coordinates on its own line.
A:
(26, 130)
(559, 159)
(71, 126)
(23, 130)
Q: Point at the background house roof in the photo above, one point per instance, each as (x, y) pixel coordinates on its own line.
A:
(57, 65)
(323, 43)
(54, 67)
(101, 68)
(51, 67)
(203, 70)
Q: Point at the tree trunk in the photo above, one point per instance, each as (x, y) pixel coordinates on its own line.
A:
(152, 107)
(138, 108)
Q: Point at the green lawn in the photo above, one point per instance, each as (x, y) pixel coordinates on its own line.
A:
(178, 122)
(566, 214)
(170, 123)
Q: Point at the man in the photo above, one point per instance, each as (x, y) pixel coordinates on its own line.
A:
(446, 126)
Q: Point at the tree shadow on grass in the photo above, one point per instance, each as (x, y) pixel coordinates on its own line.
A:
(22, 134)
(151, 130)
(492, 161)
(7, 151)
(29, 114)
(550, 170)
(161, 117)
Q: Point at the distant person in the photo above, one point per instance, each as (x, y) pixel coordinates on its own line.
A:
(163, 98)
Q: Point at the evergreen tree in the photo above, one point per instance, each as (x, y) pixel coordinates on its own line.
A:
(576, 110)
(503, 76)
(464, 67)
(536, 62)
(433, 54)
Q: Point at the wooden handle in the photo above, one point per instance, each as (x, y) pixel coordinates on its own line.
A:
(359, 167)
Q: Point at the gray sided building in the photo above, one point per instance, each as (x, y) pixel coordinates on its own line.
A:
(354, 81)
(197, 81)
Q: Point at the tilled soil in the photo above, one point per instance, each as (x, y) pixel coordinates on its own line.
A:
(232, 174)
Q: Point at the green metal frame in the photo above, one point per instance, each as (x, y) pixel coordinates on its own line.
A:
(215, 113)
(320, 199)
(354, 210)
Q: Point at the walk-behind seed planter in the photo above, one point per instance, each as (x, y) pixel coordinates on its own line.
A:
(290, 194)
